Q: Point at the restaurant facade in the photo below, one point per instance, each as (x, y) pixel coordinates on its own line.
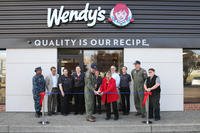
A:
(163, 34)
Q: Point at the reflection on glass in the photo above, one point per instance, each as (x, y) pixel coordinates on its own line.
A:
(2, 76)
(191, 75)
(70, 64)
(69, 58)
(104, 58)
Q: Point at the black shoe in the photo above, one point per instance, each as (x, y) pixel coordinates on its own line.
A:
(40, 113)
(75, 113)
(99, 112)
(54, 113)
(143, 116)
(157, 119)
(127, 113)
(37, 115)
(116, 118)
(107, 118)
(64, 114)
(137, 114)
(49, 114)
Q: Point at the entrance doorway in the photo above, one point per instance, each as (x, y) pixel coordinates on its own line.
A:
(104, 58)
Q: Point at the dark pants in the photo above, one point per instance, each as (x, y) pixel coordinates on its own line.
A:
(79, 99)
(58, 101)
(52, 100)
(65, 108)
(97, 103)
(125, 98)
(154, 106)
(108, 109)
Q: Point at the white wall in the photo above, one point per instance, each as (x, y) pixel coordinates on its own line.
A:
(20, 65)
(168, 64)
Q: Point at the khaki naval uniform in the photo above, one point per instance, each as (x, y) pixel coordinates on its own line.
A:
(139, 77)
(90, 82)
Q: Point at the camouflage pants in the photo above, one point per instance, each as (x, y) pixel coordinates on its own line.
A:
(36, 98)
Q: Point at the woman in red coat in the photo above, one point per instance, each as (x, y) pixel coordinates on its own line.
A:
(109, 93)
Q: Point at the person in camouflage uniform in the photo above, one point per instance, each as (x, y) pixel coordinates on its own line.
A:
(89, 91)
(139, 76)
(38, 87)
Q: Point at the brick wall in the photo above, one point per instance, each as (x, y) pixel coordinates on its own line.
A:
(2, 108)
(193, 106)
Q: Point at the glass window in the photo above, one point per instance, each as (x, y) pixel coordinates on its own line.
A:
(2, 76)
(191, 75)
(104, 58)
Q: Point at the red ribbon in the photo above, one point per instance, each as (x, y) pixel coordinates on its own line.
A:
(42, 94)
(146, 95)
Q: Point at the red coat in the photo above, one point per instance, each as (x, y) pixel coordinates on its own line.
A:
(109, 90)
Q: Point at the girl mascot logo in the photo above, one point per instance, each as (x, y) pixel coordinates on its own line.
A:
(121, 15)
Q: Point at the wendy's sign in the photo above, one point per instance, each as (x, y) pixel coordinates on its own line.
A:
(120, 15)
(90, 16)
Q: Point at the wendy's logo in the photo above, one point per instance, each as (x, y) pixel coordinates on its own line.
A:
(121, 15)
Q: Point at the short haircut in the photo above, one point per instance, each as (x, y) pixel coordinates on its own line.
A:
(52, 68)
(125, 67)
(65, 69)
(78, 66)
(113, 67)
(97, 71)
(108, 72)
(152, 69)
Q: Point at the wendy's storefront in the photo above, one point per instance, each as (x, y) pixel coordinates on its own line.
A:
(161, 34)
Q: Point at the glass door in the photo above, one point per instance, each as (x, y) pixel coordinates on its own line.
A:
(69, 61)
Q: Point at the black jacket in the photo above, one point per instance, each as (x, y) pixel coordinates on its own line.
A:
(78, 81)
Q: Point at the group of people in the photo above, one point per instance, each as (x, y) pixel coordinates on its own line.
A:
(90, 90)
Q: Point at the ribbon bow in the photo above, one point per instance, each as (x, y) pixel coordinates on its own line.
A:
(146, 95)
(42, 94)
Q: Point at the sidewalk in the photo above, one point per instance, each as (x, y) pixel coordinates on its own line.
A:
(176, 122)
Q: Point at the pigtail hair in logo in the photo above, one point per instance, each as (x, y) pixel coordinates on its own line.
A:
(121, 15)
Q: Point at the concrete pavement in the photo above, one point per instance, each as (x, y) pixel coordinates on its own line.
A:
(176, 122)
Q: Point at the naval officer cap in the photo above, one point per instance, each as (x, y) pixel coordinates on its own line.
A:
(137, 62)
(94, 66)
(38, 69)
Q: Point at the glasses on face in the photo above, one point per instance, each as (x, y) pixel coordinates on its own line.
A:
(150, 72)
